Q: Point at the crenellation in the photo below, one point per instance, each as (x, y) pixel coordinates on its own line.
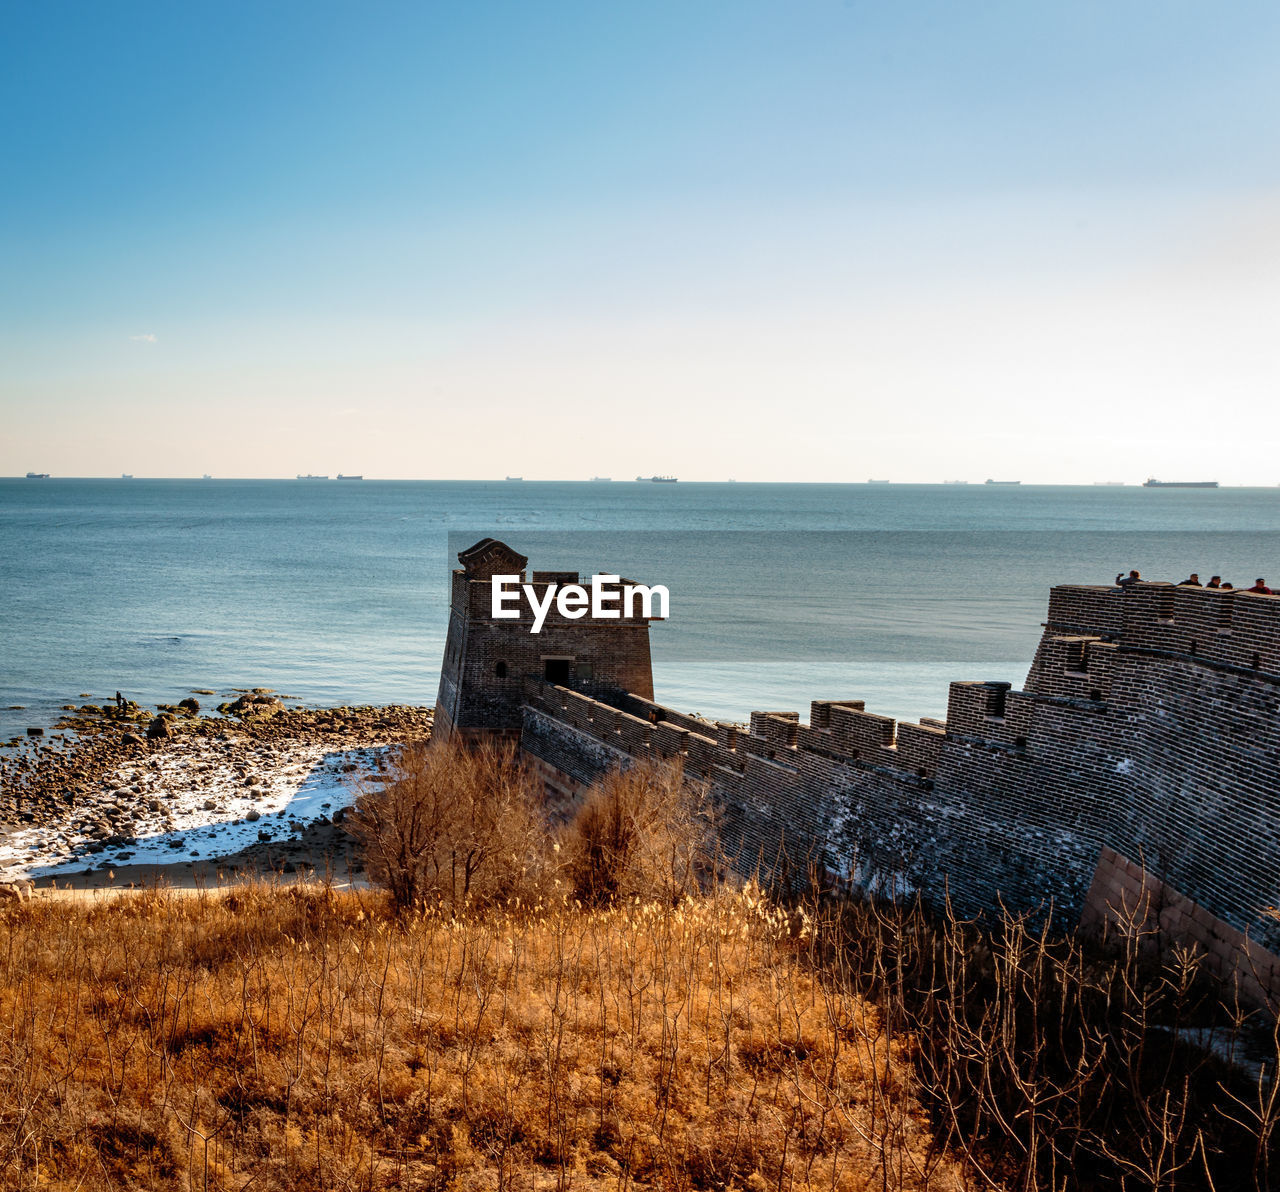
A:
(919, 747)
(778, 730)
(701, 754)
(1091, 610)
(670, 741)
(860, 734)
(635, 735)
(967, 708)
(820, 710)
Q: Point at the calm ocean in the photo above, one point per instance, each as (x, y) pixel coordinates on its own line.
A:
(335, 592)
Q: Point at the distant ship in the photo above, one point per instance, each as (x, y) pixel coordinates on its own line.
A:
(37, 475)
(1108, 484)
(1004, 482)
(955, 482)
(515, 477)
(126, 475)
(206, 476)
(1153, 483)
(879, 481)
(658, 479)
(342, 477)
(309, 476)
(601, 479)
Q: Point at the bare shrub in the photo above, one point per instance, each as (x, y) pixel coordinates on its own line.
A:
(1049, 1061)
(454, 826)
(642, 832)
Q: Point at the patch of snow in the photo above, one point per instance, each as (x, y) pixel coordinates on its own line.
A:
(193, 805)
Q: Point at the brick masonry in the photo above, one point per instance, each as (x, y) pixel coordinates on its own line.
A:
(1147, 728)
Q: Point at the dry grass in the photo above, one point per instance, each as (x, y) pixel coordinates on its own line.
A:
(284, 1038)
(640, 833)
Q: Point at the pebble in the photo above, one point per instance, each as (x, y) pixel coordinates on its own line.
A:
(84, 788)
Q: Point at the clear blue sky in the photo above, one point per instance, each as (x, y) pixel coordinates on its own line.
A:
(778, 241)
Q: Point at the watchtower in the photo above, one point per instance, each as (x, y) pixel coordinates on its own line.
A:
(487, 660)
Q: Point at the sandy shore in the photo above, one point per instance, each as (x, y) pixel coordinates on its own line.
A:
(217, 800)
(320, 852)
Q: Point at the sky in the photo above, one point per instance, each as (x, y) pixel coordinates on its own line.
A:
(824, 240)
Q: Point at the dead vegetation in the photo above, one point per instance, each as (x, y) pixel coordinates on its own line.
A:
(285, 1038)
(591, 1008)
(1053, 1061)
(457, 828)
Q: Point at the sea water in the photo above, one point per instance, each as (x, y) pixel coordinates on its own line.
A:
(336, 592)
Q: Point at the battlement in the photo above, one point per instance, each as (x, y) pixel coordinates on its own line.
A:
(844, 733)
(1232, 628)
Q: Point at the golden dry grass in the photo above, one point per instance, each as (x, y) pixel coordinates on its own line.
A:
(284, 1038)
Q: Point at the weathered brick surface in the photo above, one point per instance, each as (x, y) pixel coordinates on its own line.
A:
(486, 661)
(1125, 898)
(1148, 727)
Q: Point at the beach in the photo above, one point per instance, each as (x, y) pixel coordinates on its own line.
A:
(216, 798)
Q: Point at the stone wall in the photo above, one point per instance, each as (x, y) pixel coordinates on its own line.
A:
(1124, 897)
(1148, 725)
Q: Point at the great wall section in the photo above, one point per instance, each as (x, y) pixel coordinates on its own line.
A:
(1137, 767)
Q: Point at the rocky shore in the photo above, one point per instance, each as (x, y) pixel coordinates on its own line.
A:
(121, 794)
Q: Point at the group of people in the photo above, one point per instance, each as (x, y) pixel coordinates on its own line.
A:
(1193, 581)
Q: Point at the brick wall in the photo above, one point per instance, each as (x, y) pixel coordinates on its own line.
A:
(1149, 726)
(1125, 898)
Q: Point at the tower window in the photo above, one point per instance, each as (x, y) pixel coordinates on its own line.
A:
(556, 670)
(500, 670)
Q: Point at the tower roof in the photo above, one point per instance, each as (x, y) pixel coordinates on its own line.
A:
(491, 557)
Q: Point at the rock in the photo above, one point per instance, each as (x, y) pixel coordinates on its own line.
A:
(254, 705)
(15, 891)
(35, 732)
(190, 705)
(210, 805)
(253, 817)
(157, 729)
(130, 739)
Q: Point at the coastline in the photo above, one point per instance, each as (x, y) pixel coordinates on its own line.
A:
(213, 799)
